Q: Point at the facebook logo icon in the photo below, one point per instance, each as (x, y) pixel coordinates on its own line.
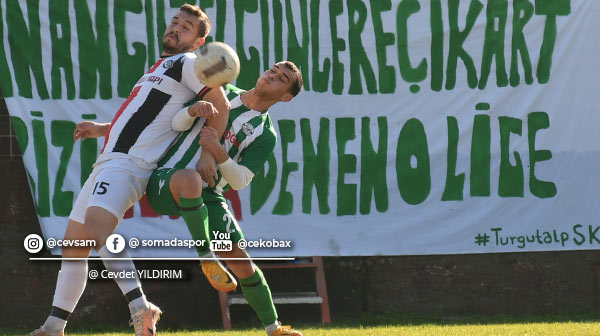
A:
(115, 243)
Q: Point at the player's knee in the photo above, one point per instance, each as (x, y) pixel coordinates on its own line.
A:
(98, 216)
(76, 231)
(186, 183)
(242, 268)
(99, 224)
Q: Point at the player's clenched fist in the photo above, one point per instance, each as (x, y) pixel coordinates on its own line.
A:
(202, 109)
(89, 129)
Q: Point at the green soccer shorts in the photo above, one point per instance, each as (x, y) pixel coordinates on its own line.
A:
(160, 199)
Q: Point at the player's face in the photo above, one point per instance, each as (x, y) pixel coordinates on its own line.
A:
(276, 82)
(182, 34)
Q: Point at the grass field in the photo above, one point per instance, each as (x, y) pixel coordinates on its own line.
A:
(563, 328)
(579, 324)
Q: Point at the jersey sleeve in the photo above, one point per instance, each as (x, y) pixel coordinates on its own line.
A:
(258, 152)
(188, 76)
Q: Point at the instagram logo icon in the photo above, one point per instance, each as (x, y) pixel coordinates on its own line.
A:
(33, 243)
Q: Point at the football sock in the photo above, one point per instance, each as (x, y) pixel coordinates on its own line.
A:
(272, 327)
(70, 284)
(136, 300)
(130, 287)
(257, 293)
(195, 215)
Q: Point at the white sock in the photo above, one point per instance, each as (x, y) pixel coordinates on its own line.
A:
(69, 287)
(138, 304)
(54, 325)
(272, 327)
(125, 284)
(210, 254)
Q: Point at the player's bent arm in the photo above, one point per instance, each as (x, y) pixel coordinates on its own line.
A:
(217, 97)
(212, 153)
(184, 118)
(206, 165)
(182, 121)
(237, 175)
(207, 168)
(209, 140)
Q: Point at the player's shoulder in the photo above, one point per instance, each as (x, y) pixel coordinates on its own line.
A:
(175, 63)
(182, 58)
(187, 55)
(269, 131)
(232, 91)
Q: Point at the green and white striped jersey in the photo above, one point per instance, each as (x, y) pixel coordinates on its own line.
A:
(249, 139)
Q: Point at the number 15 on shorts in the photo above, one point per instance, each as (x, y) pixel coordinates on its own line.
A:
(100, 188)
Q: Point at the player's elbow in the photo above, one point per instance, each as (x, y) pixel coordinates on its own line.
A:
(240, 181)
(236, 175)
(236, 187)
(182, 121)
(240, 184)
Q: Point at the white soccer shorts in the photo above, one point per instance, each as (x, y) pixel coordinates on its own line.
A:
(114, 185)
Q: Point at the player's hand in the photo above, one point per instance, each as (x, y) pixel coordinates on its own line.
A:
(89, 129)
(207, 167)
(202, 109)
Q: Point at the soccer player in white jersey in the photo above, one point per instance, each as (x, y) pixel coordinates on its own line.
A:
(175, 187)
(139, 135)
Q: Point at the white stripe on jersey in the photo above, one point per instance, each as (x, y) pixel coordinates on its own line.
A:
(142, 127)
(236, 127)
(248, 140)
(187, 142)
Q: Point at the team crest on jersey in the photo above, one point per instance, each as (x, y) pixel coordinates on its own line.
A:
(247, 129)
(168, 64)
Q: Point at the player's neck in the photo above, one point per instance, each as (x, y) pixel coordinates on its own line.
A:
(254, 101)
(169, 54)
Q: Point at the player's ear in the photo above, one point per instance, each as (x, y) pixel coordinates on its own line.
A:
(286, 97)
(199, 42)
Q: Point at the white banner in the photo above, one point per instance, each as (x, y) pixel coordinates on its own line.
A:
(425, 126)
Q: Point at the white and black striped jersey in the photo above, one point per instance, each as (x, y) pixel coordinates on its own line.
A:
(141, 129)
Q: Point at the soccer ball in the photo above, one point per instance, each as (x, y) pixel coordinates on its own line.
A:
(216, 64)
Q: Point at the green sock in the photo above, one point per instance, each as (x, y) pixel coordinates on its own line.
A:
(195, 215)
(257, 292)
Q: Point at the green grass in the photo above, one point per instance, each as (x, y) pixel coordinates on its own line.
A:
(572, 323)
(559, 328)
(429, 330)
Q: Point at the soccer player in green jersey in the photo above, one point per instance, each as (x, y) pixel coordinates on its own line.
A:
(249, 139)
(175, 187)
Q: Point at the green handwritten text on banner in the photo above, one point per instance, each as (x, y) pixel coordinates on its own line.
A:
(424, 126)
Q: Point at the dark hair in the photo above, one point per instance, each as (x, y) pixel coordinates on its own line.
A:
(297, 85)
(203, 20)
